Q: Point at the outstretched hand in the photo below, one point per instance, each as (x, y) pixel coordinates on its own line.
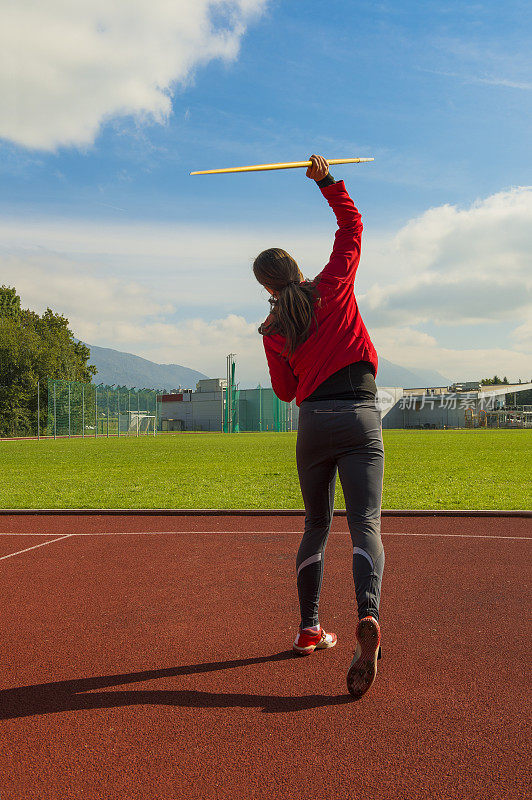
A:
(319, 168)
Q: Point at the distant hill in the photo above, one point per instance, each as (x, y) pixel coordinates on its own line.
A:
(390, 374)
(125, 369)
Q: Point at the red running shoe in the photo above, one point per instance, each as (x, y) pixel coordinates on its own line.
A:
(306, 642)
(363, 669)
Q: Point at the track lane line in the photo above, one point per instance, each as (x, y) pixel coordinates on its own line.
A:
(268, 533)
(10, 555)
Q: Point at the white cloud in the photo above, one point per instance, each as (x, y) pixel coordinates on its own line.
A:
(189, 266)
(68, 67)
(490, 80)
(193, 343)
(457, 266)
(48, 280)
(414, 349)
(450, 268)
(120, 288)
(187, 294)
(523, 334)
(486, 62)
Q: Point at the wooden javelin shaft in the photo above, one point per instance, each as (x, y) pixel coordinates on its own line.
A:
(287, 165)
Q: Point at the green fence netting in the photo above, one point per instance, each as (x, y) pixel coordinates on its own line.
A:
(82, 409)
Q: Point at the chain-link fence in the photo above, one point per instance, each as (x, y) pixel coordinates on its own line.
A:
(81, 409)
(261, 410)
(59, 408)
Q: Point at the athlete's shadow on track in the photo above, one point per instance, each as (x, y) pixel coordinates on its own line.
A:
(52, 698)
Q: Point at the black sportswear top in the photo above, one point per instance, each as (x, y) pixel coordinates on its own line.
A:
(354, 382)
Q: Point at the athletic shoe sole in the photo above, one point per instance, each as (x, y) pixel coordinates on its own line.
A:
(363, 669)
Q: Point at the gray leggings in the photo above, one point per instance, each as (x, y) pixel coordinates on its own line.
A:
(343, 435)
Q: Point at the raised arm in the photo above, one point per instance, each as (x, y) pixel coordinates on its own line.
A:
(345, 256)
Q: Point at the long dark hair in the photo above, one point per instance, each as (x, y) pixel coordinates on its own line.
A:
(292, 310)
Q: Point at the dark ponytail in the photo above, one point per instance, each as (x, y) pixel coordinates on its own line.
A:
(292, 310)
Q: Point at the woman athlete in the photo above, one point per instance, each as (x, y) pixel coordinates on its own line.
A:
(319, 351)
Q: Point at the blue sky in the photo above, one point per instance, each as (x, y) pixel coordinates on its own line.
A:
(101, 220)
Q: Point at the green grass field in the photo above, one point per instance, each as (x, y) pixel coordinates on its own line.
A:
(424, 469)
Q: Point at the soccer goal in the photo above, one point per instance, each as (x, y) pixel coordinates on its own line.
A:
(137, 423)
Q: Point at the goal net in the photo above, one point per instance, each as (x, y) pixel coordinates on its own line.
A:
(137, 423)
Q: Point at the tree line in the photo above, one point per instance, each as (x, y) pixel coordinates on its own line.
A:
(525, 397)
(33, 349)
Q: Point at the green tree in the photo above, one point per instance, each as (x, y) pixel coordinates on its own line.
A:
(522, 398)
(495, 381)
(9, 302)
(33, 349)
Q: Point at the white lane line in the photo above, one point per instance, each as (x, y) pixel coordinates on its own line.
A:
(462, 535)
(269, 533)
(67, 536)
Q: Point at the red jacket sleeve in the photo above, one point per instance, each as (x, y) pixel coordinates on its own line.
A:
(284, 382)
(345, 256)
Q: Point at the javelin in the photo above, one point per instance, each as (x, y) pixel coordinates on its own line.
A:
(287, 165)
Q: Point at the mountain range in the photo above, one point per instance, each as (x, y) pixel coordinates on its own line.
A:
(126, 369)
(390, 374)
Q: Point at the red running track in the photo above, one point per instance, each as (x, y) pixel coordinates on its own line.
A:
(157, 667)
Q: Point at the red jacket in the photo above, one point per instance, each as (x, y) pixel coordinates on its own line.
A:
(341, 337)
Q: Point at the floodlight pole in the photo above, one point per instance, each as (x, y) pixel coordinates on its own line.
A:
(55, 416)
(228, 379)
(38, 411)
(228, 395)
(230, 392)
